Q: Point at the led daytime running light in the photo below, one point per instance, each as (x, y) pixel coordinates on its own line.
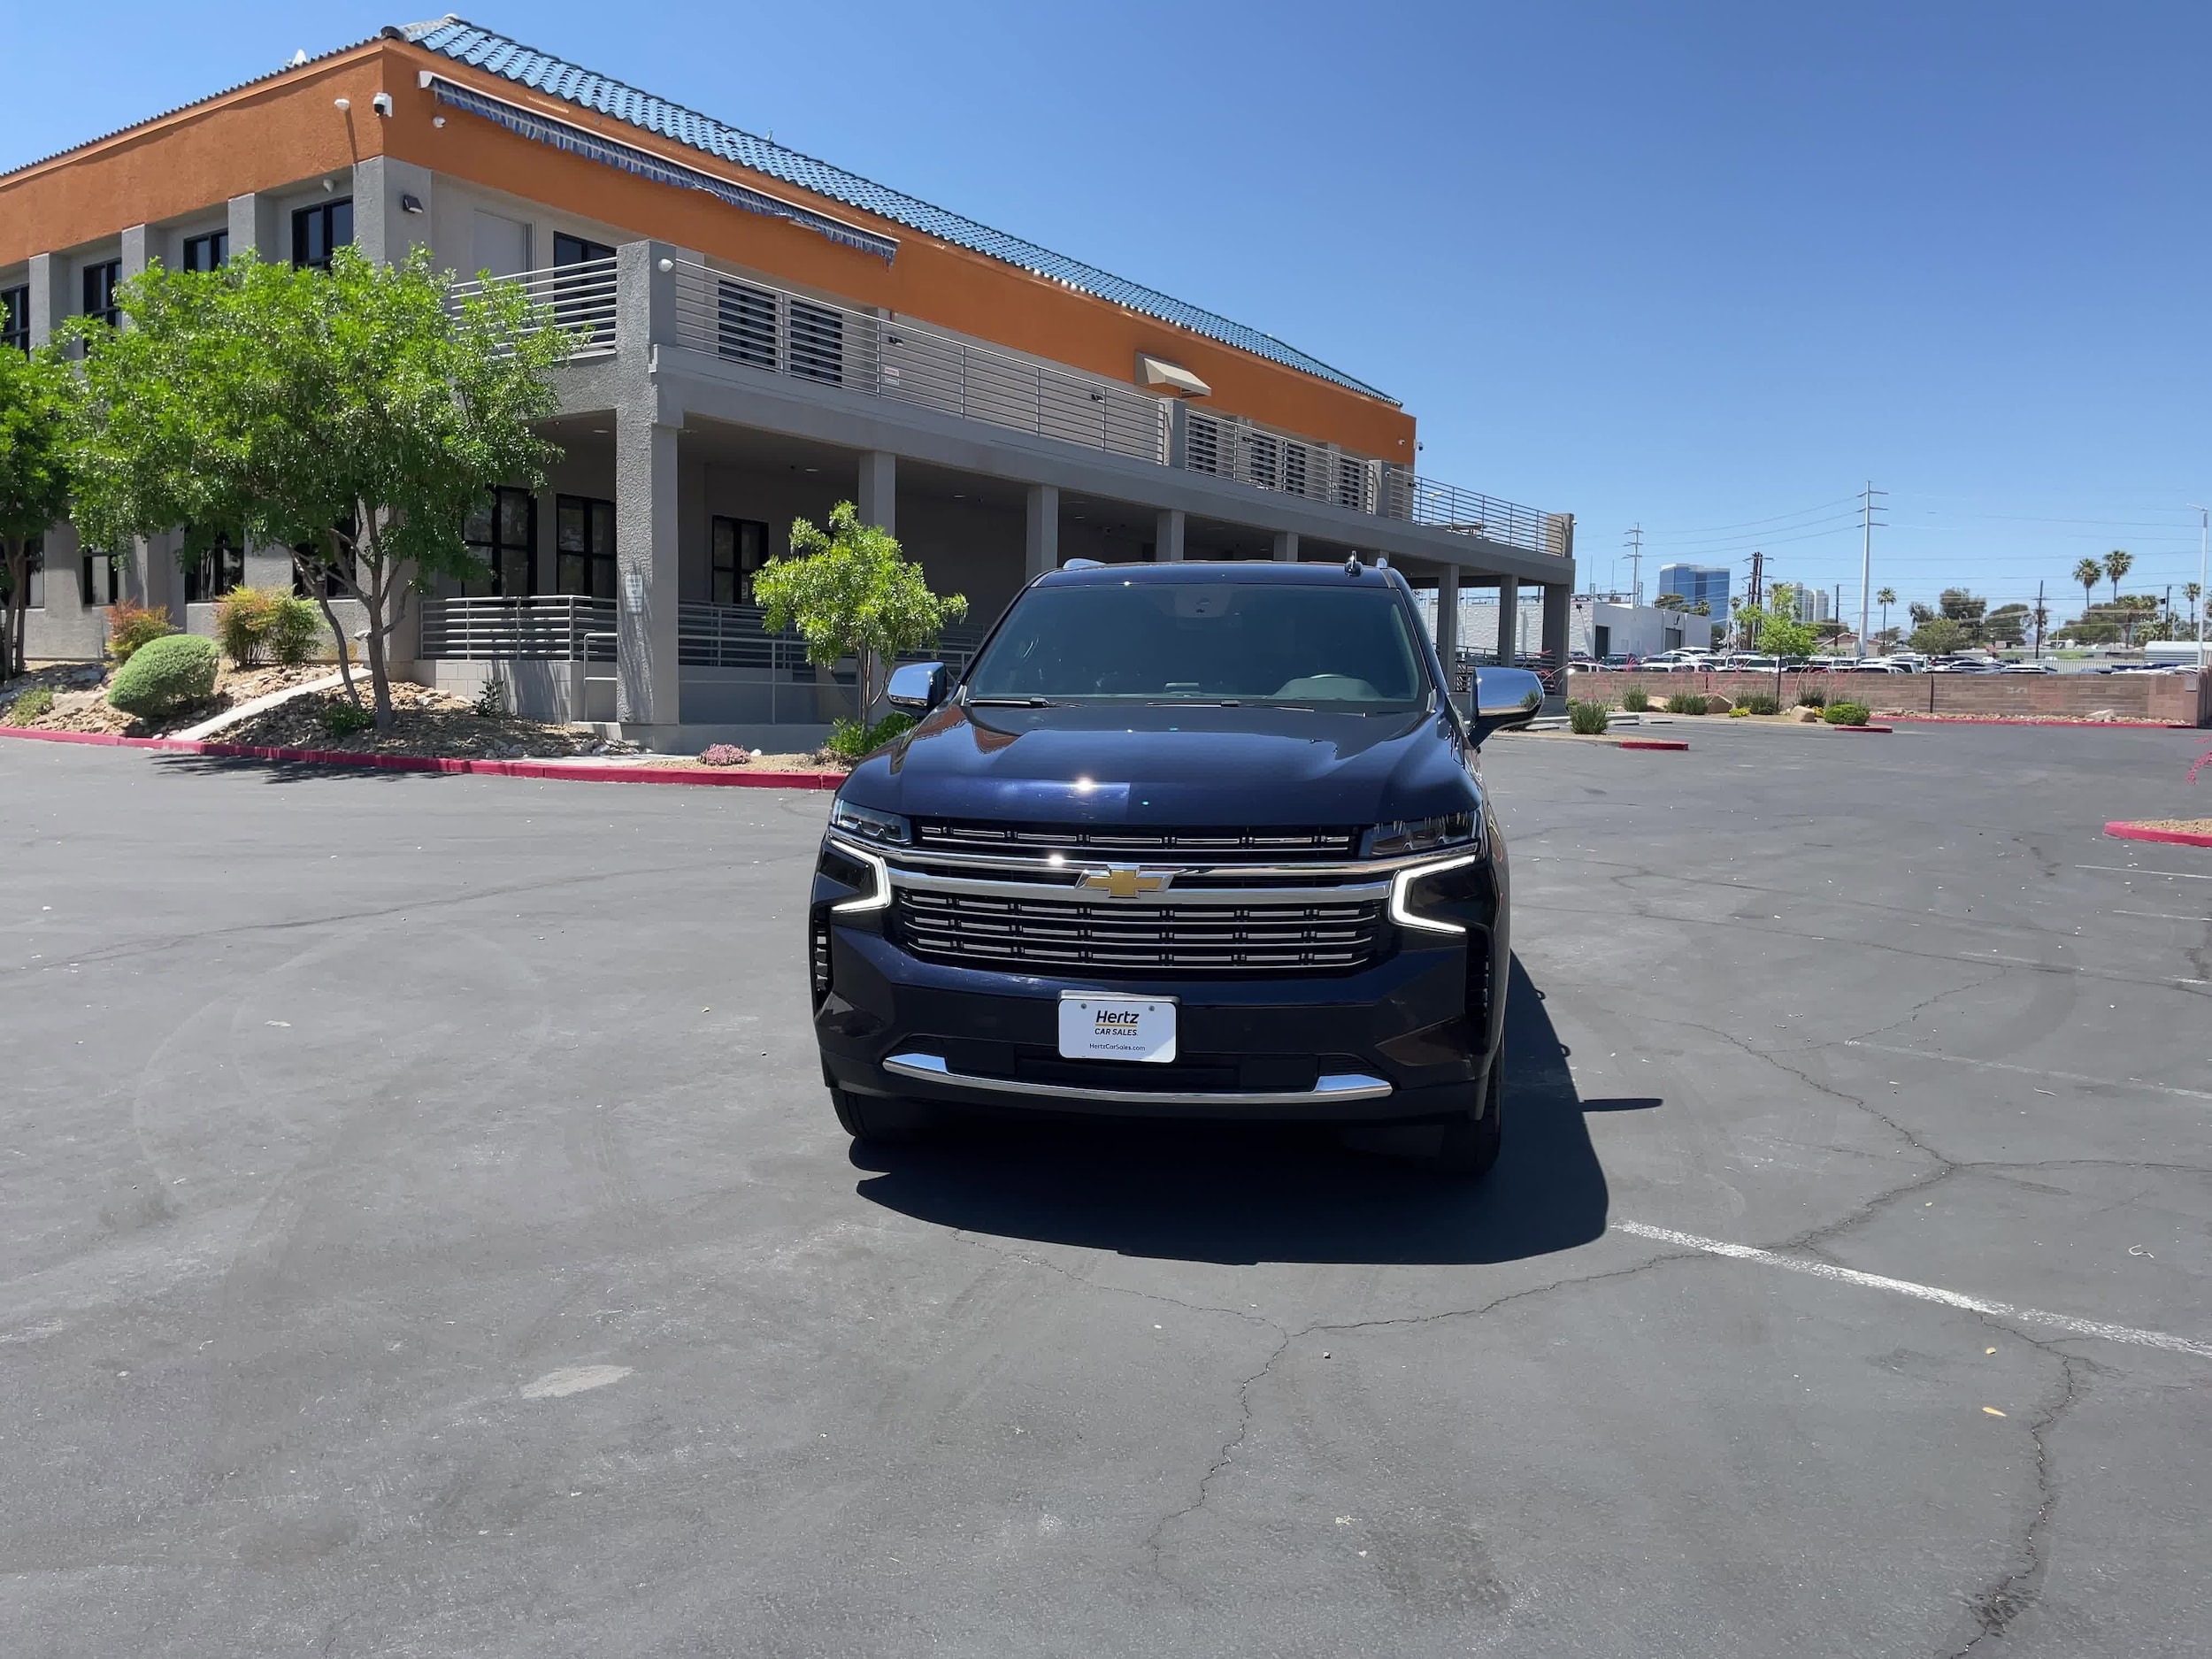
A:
(1401, 888)
(880, 899)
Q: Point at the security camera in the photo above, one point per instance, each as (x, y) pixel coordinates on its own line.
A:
(381, 103)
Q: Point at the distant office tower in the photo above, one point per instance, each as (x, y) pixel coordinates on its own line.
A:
(1812, 604)
(1694, 582)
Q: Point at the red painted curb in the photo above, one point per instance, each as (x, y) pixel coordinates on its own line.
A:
(1862, 728)
(1650, 742)
(567, 772)
(1977, 719)
(2125, 831)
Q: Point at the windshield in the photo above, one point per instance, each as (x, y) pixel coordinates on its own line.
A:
(1263, 642)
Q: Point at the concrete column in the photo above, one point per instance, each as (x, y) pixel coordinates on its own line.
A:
(1043, 546)
(1285, 551)
(1508, 619)
(648, 686)
(1557, 596)
(1178, 434)
(383, 229)
(134, 253)
(1167, 536)
(645, 295)
(253, 226)
(878, 496)
(50, 304)
(1448, 623)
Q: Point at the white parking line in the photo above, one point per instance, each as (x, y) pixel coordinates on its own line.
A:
(1923, 1292)
(2031, 1070)
(2130, 870)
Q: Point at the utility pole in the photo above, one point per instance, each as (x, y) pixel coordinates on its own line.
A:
(1636, 565)
(2204, 539)
(1866, 556)
(2040, 617)
(1756, 598)
(1838, 616)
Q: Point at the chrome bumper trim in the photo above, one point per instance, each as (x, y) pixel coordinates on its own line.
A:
(1345, 1086)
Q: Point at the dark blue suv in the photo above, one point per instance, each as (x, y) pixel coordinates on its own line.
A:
(1185, 840)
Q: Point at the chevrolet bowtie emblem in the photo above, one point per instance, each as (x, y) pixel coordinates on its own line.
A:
(1126, 881)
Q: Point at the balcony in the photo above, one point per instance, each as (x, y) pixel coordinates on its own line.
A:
(809, 342)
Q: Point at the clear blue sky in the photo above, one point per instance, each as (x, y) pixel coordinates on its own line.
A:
(1706, 267)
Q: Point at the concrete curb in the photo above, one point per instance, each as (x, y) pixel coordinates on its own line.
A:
(1864, 728)
(2121, 831)
(568, 772)
(1978, 719)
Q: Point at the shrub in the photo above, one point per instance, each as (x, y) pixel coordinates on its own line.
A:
(491, 699)
(171, 672)
(1635, 699)
(1589, 719)
(1534, 700)
(849, 739)
(296, 631)
(725, 754)
(1686, 702)
(343, 716)
(1758, 702)
(130, 627)
(1812, 697)
(1740, 713)
(243, 617)
(37, 701)
(1848, 714)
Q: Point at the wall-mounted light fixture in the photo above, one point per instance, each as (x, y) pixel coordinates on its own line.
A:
(410, 203)
(341, 105)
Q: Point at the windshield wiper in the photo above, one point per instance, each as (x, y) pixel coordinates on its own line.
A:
(1014, 702)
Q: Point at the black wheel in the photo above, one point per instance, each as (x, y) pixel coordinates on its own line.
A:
(872, 1117)
(1471, 1144)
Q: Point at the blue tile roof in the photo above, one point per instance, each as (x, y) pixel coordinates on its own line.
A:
(466, 43)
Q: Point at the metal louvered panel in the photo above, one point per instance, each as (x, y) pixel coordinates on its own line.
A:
(1154, 938)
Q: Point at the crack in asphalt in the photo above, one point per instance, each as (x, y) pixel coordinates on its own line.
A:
(1996, 1607)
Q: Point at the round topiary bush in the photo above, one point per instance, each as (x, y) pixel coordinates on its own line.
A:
(1848, 714)
(171, 672)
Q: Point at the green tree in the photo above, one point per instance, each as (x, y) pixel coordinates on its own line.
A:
(1669, 601)
(1885, 597)
(1963, 608)
(1939, 634)
(360, 413)
(852, 593)
(36, 392)
(2006, 625)
(2116, 564)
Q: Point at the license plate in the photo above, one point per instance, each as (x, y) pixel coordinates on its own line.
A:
(1095, 1027)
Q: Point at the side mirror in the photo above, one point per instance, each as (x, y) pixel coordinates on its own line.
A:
(916, 687)
(1503, 698)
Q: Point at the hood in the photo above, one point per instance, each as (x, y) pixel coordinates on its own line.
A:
(1192, 765)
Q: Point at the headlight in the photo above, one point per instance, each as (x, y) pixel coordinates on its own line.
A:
(864, 822)
(1410, 886)
(1419, 834)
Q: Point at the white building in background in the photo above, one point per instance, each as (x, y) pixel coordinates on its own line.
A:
(1813, 605)
(1597, 627)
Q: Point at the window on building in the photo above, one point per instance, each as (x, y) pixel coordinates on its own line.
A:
(569, 249)
(319, 231)
(583, 531)
(736, 549)
(503, 535)
(331, 584)
(99, 578)
(99, 291)
(221, 566)
(210, 252)
(15, 317)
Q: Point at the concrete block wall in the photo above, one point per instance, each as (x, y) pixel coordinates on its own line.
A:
(2172, 699)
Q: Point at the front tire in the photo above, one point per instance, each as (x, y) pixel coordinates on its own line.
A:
(1471, 1143)
(883, 1122)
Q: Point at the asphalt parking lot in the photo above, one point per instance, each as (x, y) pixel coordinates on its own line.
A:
(423, 1231)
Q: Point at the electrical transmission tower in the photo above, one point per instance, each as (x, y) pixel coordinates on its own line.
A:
(1867, 527)
(1636, 565)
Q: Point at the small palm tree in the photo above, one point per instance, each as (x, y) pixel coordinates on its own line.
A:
(2088, 573)
(2192, 593)
(2116, 564)
(1885, 598)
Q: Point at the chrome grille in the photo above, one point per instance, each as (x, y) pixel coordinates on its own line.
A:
(1226, 845)
(1140, 938)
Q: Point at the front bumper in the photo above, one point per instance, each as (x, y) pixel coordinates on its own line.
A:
(1406, 1039)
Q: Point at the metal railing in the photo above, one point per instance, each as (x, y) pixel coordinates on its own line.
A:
(1229, 446)
(746, 322)
(555, 627)
(1407, 496)
(579, 298)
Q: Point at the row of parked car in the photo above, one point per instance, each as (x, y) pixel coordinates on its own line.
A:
(1688, 661)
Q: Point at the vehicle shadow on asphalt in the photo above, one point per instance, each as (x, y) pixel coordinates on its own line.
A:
(1209, 1194)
